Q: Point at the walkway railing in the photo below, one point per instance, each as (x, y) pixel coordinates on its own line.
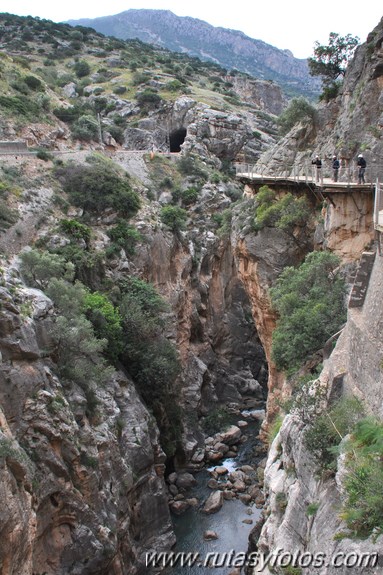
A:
(307, 172)
(378, 207)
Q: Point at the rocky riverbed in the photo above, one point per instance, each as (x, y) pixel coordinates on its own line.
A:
(215, 508)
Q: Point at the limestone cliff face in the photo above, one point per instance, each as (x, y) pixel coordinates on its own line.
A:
(260, 258)
(348, 224)
(348, 125)
(83, 487)
(355, 368)
(213, 134)
(221, 352)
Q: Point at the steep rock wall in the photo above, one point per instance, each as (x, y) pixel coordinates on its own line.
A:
(348, 224)
(354, 367)
(349, 124)
(84, 487)
(222, 355)
(260, 258)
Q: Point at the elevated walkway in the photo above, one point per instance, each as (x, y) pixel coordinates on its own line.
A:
(298, 177)
(305, 175)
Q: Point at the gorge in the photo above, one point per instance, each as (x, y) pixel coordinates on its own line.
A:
(136, 320)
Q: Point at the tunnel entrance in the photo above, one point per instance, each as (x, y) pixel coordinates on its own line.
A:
(176, 139)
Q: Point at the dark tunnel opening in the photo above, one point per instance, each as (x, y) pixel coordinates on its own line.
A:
(176, 139)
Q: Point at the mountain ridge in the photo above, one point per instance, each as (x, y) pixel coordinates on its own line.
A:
(230, 48)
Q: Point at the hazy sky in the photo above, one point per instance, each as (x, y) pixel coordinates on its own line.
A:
(292, 24)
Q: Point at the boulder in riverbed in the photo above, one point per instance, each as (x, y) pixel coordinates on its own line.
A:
(221, 470)
(185, 481)
(213, 503)
(210, 535)
(179, 507)
(231, 435)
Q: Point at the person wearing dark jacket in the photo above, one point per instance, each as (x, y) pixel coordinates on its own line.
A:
(318, 163)
(361, 163)
(335, 167)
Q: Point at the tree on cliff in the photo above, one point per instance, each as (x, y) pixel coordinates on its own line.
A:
(298, 110)
(330, 62)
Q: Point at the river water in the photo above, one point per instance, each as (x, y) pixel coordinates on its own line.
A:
(228, 522)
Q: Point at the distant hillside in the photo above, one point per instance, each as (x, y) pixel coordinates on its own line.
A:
(229, 48)
(63, 87)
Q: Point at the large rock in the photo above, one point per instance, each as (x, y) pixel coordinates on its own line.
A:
(231, 435)
(185, 481)
(213, 503)
(210, 535)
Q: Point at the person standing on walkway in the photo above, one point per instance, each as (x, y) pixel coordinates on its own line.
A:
(335, 168)
(361, 163)
(318, 163)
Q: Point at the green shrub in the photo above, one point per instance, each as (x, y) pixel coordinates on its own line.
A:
(274, 428)
(330, 91)
(67, 114)
(117, 132)
(119, 90)
(33, 83)
(8, 216)
(44, 155)
(324, 435)
(99, 185)
(189, 196)
(281, 501)
(310, 301)
(72, 113)
(20, 105)
(147, 297)
(224, 222)
(88, 265)
(312, 508)
(174, 217)
(139, 78)
(20, 86)
(76, 230)
(81, 68)
(215, 178)
(285, 213)
(38, 268)
(149, 357)
(43, 101)
(174, 86)
(106, 321)
(217, 420)
(363, 509)
(86, 128)
(124, 236)
(190, 165)
(148, 100)
(79, 353)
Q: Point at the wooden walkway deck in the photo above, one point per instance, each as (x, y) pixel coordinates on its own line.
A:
(323, 185)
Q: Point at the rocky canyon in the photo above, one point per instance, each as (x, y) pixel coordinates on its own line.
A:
(136, 316)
